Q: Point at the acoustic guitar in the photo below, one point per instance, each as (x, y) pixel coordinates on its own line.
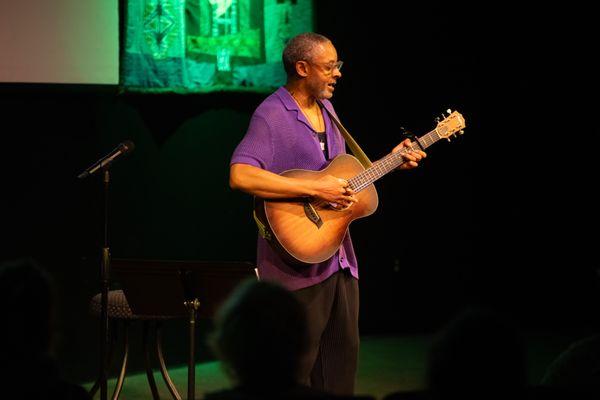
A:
(307, 231)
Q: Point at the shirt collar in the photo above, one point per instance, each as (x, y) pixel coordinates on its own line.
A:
(286, 98)
(290, 104)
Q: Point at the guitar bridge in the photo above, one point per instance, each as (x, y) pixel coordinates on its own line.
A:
(312, 214)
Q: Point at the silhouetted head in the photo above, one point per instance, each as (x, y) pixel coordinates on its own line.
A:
(477, 352)
(578, 366)
(26, 307)
(260, 335)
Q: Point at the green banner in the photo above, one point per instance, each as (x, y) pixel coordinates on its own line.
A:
(209, 45)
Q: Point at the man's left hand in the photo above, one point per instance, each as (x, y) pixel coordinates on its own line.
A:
(412, 157)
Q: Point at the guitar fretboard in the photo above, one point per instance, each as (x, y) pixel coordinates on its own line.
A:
(392, 161)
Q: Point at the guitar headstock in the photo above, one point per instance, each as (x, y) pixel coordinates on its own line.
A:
(451, 124)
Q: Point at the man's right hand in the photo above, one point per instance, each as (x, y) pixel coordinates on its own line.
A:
(334, 190)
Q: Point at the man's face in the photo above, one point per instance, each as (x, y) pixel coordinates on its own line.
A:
(323, 71)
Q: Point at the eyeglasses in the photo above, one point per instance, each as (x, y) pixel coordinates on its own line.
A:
(336, 65)
(328, 68)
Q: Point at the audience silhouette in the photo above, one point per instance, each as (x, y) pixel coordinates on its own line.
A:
(478, 354)
(577, 369)
(27, 304)
(261, 338)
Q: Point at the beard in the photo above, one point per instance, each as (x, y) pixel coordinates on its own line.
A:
(320, 90)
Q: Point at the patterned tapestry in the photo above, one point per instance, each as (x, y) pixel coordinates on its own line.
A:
(209, 45)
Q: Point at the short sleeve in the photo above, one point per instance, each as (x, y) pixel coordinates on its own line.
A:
(256, 147)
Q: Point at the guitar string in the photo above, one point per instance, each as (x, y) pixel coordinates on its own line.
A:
(384, 165)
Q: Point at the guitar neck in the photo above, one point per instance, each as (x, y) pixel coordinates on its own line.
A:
(390, 162)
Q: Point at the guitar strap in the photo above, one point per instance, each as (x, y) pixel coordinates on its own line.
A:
(354, 147)
(263, 231)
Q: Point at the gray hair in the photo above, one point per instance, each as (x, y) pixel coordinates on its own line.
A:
(299, 48)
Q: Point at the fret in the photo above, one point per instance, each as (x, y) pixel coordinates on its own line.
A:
(390, 162)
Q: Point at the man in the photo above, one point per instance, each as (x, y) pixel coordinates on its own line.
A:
(260, 337)
(28, 309)
(290, 130)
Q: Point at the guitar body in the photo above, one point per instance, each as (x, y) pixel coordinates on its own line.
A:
(299, 239)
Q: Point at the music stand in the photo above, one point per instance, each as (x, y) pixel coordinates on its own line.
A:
(180, 288)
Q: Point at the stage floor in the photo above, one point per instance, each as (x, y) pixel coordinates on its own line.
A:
(387, 364)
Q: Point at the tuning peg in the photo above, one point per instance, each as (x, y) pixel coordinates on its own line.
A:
(437, 119)
(461, 132)
(449, 111)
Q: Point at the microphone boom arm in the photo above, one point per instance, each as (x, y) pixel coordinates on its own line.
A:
(122, 149)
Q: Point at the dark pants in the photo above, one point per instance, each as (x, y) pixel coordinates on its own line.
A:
(332, 314)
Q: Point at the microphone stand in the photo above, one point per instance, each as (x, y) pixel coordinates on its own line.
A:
(104, 165)
(105, 282)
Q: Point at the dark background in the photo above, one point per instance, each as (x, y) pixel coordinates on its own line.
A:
(505, 215)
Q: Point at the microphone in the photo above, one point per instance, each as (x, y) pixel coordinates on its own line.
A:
(122, 149)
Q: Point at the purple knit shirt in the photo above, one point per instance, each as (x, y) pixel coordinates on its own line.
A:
(280, 138)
